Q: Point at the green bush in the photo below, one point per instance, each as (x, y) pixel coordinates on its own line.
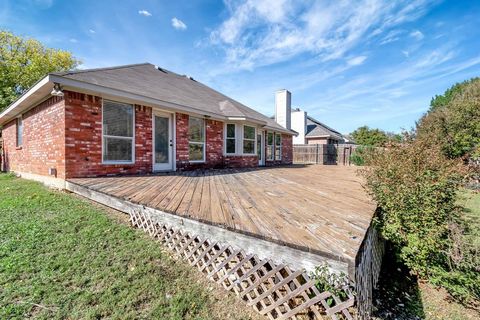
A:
(359, 155)
(416, 188)
(416, 184)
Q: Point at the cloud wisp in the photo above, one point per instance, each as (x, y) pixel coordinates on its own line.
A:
(264, 32)
(178, 24)
(144, 13)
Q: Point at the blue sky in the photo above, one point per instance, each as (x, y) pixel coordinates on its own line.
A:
(348, 63)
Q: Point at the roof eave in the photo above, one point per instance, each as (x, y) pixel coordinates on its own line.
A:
(31, 97)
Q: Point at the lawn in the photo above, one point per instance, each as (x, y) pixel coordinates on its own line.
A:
(63, 257)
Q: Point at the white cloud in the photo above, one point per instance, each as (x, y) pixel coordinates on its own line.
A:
(73, 40)
(178, 24)
(264, 32)
(406, 53)
(417, 34)
(356, 61)
(144, 13)
(91, 31)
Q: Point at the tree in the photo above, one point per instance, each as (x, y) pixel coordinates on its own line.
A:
(453, 121)
(370, 137)
(25, 61)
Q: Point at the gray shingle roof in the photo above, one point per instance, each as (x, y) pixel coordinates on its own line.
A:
(150, 81)
(317, 129)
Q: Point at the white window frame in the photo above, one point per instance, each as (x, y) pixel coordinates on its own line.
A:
(272, 146)
(254, 140)
(235, 138)
(109, 162)
(280, 146)
(195, 142)
(17, 133)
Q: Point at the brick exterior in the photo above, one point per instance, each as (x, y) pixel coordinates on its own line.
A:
(43, 140)
(66, 134)
(83, 139)
(241, 161)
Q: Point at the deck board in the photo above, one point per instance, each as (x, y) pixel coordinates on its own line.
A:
(316, 208)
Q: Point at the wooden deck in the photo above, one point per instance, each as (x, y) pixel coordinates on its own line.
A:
(319, 209)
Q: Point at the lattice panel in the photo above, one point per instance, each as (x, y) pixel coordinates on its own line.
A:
(272, 290)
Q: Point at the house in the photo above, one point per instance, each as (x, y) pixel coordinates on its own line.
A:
(308, 129)
(133, 119)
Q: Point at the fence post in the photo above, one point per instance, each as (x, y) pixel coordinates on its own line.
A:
(316, 154)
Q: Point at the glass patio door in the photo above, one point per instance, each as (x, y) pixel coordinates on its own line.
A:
(163, 142)
(260, 148)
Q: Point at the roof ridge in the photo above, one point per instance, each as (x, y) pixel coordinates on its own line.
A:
(102, 69)
(323, 124)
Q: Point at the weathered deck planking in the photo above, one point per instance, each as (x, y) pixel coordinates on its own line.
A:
(320, 209)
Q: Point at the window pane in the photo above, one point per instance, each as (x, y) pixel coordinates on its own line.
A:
(195, 152)
(162, 143)
(230, 130)
(270, 152)
(248, 132)
(195, 129)
(116, 149)
(259, 146)
(270, 138)
(117, 119)
(278, 153)
(230, 145)
(248, 146)
(19, 132)
(278, 139)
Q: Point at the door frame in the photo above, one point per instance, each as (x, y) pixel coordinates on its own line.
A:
(261, 162)
(172, 164)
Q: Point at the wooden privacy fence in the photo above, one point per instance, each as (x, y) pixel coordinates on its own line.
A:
(328, 154)
(273, 290)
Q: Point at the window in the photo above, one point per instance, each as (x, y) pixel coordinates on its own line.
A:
(230, 140)
(196, 139)
(270, 146)
(19, 131)
(248, 140)
(118, 132)
(278, 146)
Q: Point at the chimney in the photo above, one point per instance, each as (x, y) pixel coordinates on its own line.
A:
(283, 108)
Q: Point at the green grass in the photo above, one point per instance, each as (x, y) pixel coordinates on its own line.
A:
(62, 257)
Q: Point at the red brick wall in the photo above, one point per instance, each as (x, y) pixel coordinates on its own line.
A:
(287, 149)
(43, 140)
(83, 139)
(241, 161)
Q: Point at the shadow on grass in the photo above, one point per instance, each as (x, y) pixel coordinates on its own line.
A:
(398, 295)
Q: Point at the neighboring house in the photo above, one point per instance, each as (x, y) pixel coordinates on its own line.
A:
(308, 130)
(133, 119)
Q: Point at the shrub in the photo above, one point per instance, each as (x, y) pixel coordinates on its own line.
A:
(416, 187)
(331, 282)
(359, 155)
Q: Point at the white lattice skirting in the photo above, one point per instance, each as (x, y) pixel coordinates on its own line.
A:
(272, 290)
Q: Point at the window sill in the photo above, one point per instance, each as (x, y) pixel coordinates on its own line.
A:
(19, 148)
(240, 155)
(119, 163)
(196, 161)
